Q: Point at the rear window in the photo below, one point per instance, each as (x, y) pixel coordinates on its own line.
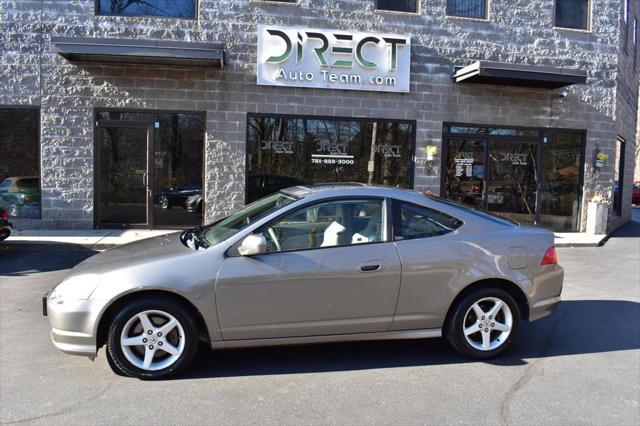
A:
(488, 216)
(413, 221)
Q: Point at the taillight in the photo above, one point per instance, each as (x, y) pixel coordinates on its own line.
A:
(550, 257)
(5, 215)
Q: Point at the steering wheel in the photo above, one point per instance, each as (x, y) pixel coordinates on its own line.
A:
(272, 234)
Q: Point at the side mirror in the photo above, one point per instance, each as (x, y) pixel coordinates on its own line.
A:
(253, 244)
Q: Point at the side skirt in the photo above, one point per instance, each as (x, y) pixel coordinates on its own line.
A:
(388, 335)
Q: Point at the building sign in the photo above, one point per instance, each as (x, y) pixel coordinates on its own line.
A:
(333, 59)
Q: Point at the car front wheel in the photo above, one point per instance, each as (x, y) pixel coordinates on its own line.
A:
(483, 323)
(152, 338)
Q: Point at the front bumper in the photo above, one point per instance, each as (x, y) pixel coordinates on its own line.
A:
(74, 324)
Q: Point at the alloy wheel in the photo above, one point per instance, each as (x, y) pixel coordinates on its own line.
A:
(152, 340)
(488, 323)
(164, 201)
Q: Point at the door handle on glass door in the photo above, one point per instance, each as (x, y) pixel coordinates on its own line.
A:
(369, 268)
(145, 179)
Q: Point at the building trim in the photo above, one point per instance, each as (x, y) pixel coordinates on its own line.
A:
(153, 52)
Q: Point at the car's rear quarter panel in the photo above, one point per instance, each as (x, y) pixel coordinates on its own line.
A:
(436, 270)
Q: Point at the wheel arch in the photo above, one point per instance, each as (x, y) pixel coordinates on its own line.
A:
(111, 311)
(510, 287)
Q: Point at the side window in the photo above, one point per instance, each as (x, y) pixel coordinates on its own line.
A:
(414, 221)
(327, 224)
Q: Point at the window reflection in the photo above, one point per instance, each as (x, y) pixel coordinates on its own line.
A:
(169, 8)
(311, 150)
(410, 6)
(467, 8)
(560, 188)
(20, 162)
(572, 14)
(178, 164)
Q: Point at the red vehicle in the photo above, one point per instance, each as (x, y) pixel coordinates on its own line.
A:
(5, 226)
(635, 197)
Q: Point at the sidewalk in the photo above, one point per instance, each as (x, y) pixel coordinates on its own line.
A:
(100, 239)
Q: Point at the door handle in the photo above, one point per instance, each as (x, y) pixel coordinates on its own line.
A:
(369, 268)
(145, 179)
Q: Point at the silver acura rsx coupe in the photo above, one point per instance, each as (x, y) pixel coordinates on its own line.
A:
(322, 263)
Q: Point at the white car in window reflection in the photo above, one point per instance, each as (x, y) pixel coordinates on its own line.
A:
(310, 264)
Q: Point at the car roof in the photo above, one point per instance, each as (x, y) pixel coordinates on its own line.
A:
(351, 189)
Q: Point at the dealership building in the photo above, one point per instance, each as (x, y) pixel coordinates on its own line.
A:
(172, 113)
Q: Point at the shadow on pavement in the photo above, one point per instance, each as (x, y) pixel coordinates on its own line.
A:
(577, 327)
(18, 259)
(628, 230)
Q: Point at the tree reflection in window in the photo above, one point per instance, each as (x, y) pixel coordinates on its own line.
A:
(319, 150)
(162, 8)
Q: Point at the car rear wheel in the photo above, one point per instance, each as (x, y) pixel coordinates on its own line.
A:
(483, 323)
(152, 338)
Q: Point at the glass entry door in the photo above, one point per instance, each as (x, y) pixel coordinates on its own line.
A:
(149, 169)
(122, 176)
(512, 180)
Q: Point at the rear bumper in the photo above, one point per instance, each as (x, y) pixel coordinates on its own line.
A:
(547, 291)
(543, 308)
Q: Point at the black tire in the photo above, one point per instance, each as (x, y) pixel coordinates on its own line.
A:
(164, 202)
(180, 312)
(455, 325)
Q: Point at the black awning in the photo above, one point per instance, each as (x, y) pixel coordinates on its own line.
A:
(82, 49)
(538, 76)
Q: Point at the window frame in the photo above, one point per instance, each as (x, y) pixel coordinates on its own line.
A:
(626, 21)
(38, 109)
(580, 30)
(396, 217)
(635, 43)
(194, 18)
(386, 216)
(148, 122)
(275, 2)
(398, 12)
(487, 13)
(619, 192)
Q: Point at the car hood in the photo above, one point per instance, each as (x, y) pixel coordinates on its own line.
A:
(136, 253)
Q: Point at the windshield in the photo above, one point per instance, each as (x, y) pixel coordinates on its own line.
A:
(231, 225)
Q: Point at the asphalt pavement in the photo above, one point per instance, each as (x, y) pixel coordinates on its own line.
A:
(579, 366)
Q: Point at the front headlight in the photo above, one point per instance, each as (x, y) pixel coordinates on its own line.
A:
(78, 287)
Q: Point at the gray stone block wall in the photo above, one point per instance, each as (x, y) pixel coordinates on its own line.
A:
(518, 31)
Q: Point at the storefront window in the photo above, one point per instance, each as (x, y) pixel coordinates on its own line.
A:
(287, 151)
(464, 171)
(409, 6)
(467, 8)
(526, 175)
(160, 8)
(572, 14)
(20, 162)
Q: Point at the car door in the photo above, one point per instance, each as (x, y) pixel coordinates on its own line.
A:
(328, 269)
(432, 259)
